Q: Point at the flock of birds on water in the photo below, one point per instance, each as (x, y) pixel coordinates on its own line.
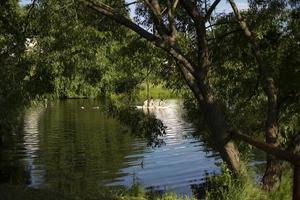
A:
(95, 107)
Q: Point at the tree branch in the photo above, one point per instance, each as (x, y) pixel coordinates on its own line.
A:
(191, 9)
(157, 17)
(163, 44)
(270, 149)
(29, 14)
(129, 4)
(221, 23)
(111, 13)
(32, 5)
(268, 81)
(171, 17)
(224, 35)
(211, 9)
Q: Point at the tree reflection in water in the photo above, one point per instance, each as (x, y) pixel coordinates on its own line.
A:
(85, 152)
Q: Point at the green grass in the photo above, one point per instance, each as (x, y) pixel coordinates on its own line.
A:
(157, 92)
(11, 192)
(227, 187)
(137, 192)
(219, 187)
(285, 189)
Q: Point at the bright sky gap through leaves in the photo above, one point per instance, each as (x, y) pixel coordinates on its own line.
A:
(224, 6)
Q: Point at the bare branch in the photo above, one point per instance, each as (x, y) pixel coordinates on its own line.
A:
(212, 8)
(192, 10)
(175, 4)
(157, 17)
(171, 17)
(131, 3)
(31, 7)
(29, 14)
(154, 6)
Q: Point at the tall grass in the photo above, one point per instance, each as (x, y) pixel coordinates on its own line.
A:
(137, 192)
(228, 187)
(218, 187)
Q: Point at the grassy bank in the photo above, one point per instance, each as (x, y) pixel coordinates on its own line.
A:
(11, 192)
(220, 187)
(227, 187)
(157, 92)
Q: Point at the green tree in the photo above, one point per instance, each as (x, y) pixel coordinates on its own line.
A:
(196, 63)
(73, 53)
(14, 65)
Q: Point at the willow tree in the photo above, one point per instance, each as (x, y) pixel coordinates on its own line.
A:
(173, 19)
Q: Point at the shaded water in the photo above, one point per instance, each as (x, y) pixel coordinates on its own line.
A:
(76, 151)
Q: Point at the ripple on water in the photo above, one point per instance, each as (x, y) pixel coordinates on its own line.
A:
(177, 165)
(69, 149)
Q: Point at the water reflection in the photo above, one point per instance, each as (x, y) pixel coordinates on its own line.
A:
(31, 145)
(18, 157)
(81, 151)
(182, 162)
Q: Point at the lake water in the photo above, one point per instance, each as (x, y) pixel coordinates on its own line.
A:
(73, 150)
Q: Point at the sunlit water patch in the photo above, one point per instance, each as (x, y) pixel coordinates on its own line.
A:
(31, 146)
(74, 148)
(178, 165)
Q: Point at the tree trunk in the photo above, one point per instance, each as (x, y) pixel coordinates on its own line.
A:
(220, 134)
(296, 179)
(296, 183)
(215, 119)
(194, 75)
(272, 175)
(273, 171)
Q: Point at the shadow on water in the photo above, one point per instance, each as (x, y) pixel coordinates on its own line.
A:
(73, 147)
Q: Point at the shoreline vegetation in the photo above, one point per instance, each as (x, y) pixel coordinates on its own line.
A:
(139, 94)
(217, 187)
(157, 92)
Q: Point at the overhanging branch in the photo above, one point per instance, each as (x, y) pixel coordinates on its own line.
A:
(211, 9)
(33, 3)
(163, 44)
(111, 13)
(270, 149)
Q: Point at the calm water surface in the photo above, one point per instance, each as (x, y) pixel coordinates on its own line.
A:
(74, 150)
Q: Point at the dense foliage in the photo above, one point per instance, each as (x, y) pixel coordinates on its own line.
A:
(59, 49)
(236, 80)
(14, 65)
